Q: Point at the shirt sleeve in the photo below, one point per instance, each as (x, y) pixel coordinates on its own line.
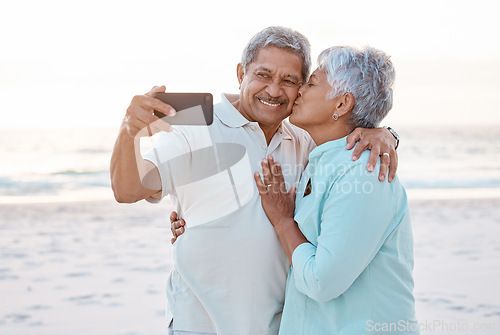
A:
(358, 214)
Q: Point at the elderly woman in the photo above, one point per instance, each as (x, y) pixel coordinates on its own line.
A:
(347, 235)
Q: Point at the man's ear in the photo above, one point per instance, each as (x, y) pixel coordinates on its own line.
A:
(240, 72)
(345, 104)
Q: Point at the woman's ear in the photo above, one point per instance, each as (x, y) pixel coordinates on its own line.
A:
(345, 104)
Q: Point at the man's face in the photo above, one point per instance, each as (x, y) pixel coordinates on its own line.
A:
(270, 86)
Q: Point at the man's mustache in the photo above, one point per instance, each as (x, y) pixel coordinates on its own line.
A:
(273, 99)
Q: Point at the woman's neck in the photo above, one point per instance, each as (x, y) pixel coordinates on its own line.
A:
(326, 133)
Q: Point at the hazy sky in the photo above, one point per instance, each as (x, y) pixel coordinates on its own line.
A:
(66, 64)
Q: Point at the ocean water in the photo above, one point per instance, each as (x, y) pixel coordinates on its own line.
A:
(54, 163)
(450, 157)
(63, 164)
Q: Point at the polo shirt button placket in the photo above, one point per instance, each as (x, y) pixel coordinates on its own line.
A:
(264, 149)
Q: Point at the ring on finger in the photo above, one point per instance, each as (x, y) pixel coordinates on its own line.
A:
(269, 185)
(386, 154)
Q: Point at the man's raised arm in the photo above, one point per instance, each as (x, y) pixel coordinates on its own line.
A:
(132, 177)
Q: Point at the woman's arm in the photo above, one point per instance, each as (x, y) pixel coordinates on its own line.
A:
(354, 224)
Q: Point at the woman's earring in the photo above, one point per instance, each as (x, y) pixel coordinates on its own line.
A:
(335, 116)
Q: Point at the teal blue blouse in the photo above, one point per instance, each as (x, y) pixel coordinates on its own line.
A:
(355, 275)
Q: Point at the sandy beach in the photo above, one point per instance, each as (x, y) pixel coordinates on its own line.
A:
(98, 267)
(83, 268)
(457, 265)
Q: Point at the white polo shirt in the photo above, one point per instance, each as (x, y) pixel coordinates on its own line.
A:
(229, 268)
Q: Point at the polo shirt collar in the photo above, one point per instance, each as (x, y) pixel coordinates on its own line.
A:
(282, 131)
(229, 115)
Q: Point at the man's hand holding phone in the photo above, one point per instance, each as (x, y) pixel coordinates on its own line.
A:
(140, 120)
(155, 111)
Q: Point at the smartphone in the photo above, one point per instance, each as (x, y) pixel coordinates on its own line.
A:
(192, 108)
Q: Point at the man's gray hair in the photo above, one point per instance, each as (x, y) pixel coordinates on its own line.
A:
(282, 38)
(367, 74)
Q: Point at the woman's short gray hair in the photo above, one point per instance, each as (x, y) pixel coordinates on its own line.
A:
(282, 38)
(367, 74)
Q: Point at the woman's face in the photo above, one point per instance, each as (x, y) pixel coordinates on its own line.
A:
(314, 106)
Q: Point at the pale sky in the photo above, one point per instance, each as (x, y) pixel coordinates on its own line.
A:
(78, 64)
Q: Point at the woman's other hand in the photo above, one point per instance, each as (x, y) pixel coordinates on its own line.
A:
(278, 203)
(176, 226)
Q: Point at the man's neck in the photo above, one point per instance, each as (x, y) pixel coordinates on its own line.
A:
(269, 131)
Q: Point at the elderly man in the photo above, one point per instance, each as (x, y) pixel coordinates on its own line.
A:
(229, 269)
